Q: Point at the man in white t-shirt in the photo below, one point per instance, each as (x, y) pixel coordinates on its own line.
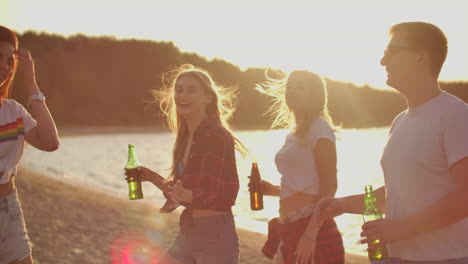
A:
(425, 161)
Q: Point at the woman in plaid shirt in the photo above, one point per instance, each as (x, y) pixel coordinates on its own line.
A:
(307, 164)
(204, 174)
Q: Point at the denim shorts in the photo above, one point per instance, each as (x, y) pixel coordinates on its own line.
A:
(207, 240)
(399, 261)
(14, 241)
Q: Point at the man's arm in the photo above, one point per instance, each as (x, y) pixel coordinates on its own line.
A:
(354, 204)
(446, 211)
(449, 209)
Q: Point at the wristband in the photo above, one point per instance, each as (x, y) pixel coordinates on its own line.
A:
(37, 96)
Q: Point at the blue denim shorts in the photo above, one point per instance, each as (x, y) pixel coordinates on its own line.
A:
(14, 241)
(207, 240)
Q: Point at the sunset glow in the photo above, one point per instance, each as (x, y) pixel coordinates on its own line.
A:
(339, 39)
(217, 96)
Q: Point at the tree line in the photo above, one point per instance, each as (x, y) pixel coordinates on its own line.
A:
(104, 81)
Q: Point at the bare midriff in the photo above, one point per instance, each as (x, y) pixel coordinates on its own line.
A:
(296, 201)
(7, 188)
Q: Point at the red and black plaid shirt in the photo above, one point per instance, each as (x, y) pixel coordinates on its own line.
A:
(210, 171)
(328, 248)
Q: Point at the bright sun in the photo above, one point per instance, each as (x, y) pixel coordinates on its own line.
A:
(339, 39)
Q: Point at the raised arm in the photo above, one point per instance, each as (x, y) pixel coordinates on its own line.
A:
(44, 135)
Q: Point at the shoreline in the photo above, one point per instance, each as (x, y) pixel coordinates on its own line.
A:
(100, 130)
(73, 224)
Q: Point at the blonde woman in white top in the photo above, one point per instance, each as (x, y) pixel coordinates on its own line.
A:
(307, 164)
(16, 127)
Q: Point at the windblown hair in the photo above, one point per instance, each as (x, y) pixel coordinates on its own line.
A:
(221, 107)
(9, 36)
(425, 36)
(285, 116)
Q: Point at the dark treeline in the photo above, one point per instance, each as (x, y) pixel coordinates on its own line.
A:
(104, 81)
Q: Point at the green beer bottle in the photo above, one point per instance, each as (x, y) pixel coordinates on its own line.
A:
(135, 191)
(372, 212)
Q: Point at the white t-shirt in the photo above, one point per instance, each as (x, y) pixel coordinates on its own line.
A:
(15, 122)
(296, 160)
(423, 144)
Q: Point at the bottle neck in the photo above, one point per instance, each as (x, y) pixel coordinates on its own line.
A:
(254, 174)
(370, 201)
(132, 161)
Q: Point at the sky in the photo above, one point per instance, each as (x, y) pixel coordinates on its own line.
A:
(343, 40)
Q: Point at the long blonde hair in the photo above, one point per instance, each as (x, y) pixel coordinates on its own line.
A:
(284, 115)
(221, 107)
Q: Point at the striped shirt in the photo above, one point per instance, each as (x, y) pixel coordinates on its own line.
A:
(15, 122)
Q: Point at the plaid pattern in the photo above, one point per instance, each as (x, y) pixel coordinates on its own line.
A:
(211, 171)
(329, 247)
(270, 247)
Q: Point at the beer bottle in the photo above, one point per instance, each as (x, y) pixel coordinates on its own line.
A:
(135, 191)
(372, 212)
(256, 195)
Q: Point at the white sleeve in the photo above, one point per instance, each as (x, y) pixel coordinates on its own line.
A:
(395, 121)
(28, 121)
(320, 129)
(456, 135)
(325, 131)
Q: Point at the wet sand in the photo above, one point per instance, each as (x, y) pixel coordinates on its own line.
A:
(74, 224)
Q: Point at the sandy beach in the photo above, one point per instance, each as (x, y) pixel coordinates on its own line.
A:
(73, 224)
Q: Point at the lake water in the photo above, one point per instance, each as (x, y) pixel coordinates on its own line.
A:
(98, 161)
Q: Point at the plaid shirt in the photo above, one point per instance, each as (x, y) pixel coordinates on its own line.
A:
(211, 171)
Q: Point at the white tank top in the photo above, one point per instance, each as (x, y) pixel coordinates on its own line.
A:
(295, 161)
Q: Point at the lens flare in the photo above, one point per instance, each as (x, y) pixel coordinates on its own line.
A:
(135, 248)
